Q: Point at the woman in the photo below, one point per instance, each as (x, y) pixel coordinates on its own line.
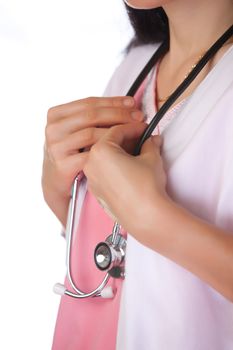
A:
(178, 290)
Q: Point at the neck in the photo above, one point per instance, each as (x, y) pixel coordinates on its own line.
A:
(195, 25)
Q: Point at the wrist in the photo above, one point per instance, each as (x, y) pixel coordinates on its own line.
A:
(57, 202)
(153, 217)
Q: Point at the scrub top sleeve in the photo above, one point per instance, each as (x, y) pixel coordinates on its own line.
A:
(129, 67)
(110, 88)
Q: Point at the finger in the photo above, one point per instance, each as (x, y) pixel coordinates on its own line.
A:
(69, 168)
(151, 145)
(74, 142)
(121, 134)
(74, 107)
(100, 117)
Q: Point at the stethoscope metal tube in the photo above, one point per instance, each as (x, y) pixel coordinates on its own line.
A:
(79, 294)
(110, 255)
(70, 230)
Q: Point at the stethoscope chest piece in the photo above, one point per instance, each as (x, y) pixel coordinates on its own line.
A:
(109, 255)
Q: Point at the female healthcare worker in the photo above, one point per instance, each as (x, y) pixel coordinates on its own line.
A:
(174, 199)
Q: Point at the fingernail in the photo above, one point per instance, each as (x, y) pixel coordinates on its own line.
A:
(157, 140)
(129, 102)
(137, 115)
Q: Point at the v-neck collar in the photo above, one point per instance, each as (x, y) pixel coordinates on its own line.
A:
(148, 105)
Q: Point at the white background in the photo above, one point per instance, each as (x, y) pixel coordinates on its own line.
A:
(51, 52)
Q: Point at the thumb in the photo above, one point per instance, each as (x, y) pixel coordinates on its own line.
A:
(152, 144)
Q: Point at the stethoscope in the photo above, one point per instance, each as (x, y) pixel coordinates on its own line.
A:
(109, 256)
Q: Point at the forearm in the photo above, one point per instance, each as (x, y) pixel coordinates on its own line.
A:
(201, 248)
(57, 201)
(58, 204)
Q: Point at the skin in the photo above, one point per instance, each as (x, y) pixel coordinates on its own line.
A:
(145, 4)
(180, 236)
(69, 128)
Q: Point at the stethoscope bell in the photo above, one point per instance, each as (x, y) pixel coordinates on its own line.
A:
(109, 255)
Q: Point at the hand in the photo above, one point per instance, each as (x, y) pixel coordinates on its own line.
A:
(71, 127)
(125, 185)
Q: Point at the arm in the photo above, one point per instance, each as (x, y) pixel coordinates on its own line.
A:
(56, 201)
(160, 223)
(201, 248)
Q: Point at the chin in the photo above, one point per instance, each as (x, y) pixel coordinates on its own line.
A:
(145, 4)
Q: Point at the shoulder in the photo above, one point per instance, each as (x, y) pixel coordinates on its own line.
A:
(129, 68)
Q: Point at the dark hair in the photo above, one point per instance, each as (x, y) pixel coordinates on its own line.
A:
(150, 26)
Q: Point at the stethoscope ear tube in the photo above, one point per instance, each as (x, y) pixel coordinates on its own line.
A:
(60, 288)
(115, 246)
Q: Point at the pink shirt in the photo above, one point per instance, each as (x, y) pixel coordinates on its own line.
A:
(91, 324)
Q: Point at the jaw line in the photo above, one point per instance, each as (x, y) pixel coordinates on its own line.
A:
(137, 8)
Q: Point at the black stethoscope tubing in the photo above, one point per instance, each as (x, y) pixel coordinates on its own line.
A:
(180, 89)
